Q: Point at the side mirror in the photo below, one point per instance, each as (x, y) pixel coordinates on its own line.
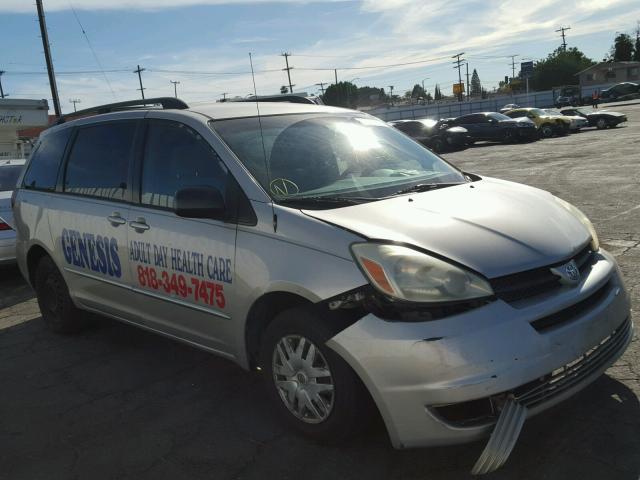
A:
(200, 202)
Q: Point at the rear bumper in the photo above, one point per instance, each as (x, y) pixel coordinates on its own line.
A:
(8, 249)
(412, 368)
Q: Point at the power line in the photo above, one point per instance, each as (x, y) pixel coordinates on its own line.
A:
(139, 71)
(564, 42)
(175, 88)
(106, 79)
(288, 69)
(321, 84)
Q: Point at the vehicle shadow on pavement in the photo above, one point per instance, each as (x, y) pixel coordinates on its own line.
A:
(13, 288)
(118, 402)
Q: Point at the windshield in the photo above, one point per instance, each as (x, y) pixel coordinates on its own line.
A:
(551, 111)
(537, 112)
(498, 116)
(9, 176)
(331, 156)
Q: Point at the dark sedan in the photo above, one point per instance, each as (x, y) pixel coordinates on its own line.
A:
(597, 118)
(434, 134)
(493, 126)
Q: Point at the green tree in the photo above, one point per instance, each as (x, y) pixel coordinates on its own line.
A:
(284, 89)
(371, 96)
(476, 86)
(437, 94)
(622, 49)
(418, 91)
(342, 94)
(559, 68)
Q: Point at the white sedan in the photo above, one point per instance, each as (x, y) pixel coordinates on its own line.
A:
(9, 172)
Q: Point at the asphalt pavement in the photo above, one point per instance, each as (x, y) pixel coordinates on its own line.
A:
(116, 402)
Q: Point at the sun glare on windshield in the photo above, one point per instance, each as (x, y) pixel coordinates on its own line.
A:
(360, 138)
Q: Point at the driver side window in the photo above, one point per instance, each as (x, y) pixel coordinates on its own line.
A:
(175, 157)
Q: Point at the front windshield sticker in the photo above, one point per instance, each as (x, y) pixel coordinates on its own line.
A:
(188, 274)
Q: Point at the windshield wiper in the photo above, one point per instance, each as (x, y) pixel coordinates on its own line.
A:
(423, 187)
(318, 200)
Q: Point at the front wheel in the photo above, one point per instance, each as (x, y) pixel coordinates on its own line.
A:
(546, 131)
(312, 388)
(601, 124)
(438, 145)
(59, 313)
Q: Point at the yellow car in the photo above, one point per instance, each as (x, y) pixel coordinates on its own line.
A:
(547, 124)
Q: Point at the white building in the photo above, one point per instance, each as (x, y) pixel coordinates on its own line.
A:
(16, 115)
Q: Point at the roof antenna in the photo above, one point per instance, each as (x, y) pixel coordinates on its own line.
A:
(264, 150)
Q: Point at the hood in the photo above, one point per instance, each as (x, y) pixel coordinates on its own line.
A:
(6, 214)
(525, 120)
(457, 130)
(492, 226)
(608, 112)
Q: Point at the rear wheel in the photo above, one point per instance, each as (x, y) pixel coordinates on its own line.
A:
(601, 124)
(59, 313)
(312, 388)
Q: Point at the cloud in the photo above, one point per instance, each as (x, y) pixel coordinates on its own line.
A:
(25, 6)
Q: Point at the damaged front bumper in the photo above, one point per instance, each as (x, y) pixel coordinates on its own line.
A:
(446, 381)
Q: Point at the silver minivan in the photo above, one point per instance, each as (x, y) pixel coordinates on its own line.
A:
(347, 264)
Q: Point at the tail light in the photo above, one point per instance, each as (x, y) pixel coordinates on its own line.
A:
(4, 226)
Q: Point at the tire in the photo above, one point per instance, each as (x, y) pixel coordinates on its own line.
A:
(59, 313)
(546, 130)
(438, 145)
(508, 136)
(601, 124)
(344, 406)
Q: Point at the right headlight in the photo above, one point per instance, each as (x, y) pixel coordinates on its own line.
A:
(595, 242)
(407, 274)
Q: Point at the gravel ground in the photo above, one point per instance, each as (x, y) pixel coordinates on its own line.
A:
(117, 402)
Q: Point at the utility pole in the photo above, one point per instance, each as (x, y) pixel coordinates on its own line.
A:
(288, 69)
(74, 101)
(564, 42)
(139, 71)
(224, 96)
(175, 88)
(467, 64)
(47, 57)
(1, 90)
(391, 94)
(322, 84)
(458, 63)
(335, 72)
(513, 66)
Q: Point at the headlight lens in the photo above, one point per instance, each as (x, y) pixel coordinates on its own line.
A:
(407, 274)
(595, 243)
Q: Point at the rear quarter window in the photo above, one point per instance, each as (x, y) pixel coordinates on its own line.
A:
(42, 173)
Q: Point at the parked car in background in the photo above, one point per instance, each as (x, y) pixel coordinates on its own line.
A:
(598, 118)
(563, 101)
(548, 125)
(434, 134)
(509, 106)
(493, 126)
(577, 122)
(620, 91)
(9, 172)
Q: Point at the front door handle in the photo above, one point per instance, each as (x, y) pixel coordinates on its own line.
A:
(139, 225)
(115, 219)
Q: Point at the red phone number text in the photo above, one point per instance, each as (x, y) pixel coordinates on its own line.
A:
(201, 290)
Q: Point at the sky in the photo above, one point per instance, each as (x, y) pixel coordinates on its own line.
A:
(205, 44)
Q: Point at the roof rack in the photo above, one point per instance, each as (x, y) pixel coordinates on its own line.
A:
(165, 102)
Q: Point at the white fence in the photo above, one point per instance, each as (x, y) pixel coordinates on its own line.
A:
(455, 109)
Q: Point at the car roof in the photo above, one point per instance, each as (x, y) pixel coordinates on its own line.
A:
(227, 110)
(12, 161)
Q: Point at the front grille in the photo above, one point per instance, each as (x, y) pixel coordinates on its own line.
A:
(562, 379)
(519, 286)
(564, 316)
